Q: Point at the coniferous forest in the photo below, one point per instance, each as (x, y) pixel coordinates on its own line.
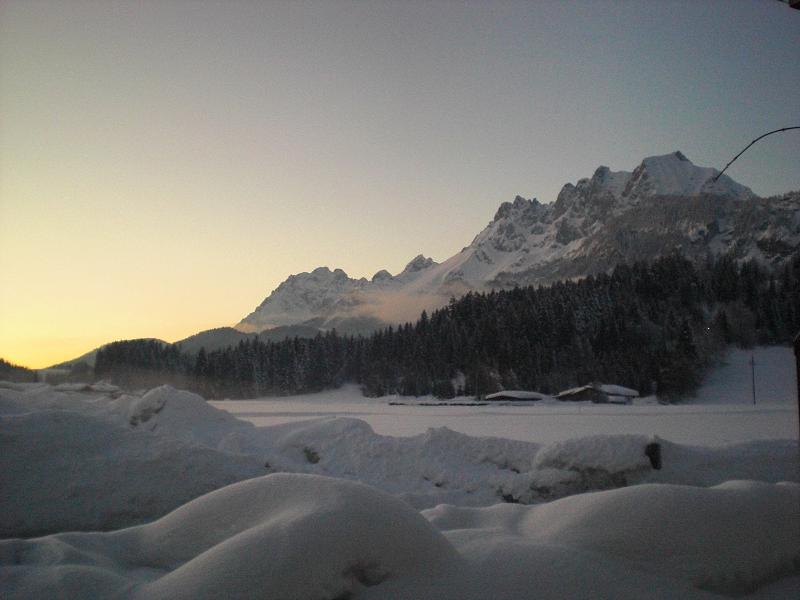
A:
(12, 372)
(654, 326)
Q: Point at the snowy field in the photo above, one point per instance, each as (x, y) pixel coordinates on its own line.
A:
(706, 424)
(163, 495)
(722, 412)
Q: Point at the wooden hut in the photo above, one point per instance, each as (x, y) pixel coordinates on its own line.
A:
(580, 394)
(599, 393)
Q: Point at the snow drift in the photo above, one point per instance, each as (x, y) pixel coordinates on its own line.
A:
(86, 461)
(280, 536)
(729, 538)
(61, 470)
(311, 537)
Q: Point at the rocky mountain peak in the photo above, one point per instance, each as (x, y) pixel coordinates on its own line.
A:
(418, 263)
(665, 203)
(382, 275)
(675, 175)
(518, 206)
(319, 277)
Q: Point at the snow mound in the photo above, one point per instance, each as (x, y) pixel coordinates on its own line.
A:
(63, 470)
(428, 469)
(586, 464)
(312, 537)
(612, 453)
(730, 538)
(100, 386)
(163, 410)
(279, 536)
(182, 415)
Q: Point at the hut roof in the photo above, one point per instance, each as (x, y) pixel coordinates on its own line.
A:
(617, 390)
(517, 395)
(605, 388)
(575, 390)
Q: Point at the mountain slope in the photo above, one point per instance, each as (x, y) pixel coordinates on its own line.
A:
(213, 339)
(666, 203)
(89, 357)
(326, 299)
(222, 337)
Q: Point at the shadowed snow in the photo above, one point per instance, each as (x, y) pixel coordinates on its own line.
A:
(311, 537)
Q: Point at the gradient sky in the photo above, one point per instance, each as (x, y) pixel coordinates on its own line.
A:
(165, 165)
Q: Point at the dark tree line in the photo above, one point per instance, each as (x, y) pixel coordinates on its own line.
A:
(144, 363)
(651, 326)
(11, 372)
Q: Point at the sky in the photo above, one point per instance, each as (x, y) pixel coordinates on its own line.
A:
(165, 165)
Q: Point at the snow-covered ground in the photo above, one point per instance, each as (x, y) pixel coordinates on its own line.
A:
(705, 424)
(732, 382)
(699, 420)
(317, 505)
(311, 537)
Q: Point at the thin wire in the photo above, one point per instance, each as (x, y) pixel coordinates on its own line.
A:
(750, 144)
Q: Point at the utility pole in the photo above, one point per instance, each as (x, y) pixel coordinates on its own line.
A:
(753, 375)
(797, 371)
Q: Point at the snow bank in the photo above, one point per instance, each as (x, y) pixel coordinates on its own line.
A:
(64, 470)
(729, 538)
(182, 415)
(83, 460)
(101, 386)
(317, 538)
(444, 466)
(176, 412)
(437, 466)
(279, 536)
(771, 461)
(612, 453)
(585, 464)
(92, 459)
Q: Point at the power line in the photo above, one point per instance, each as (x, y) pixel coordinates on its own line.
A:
(750, 144)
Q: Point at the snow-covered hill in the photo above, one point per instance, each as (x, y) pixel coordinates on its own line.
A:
(664, 204)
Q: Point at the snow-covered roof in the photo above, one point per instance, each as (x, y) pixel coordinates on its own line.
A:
(574, 390)
(517, 395)
(606, 388)
(616, 390)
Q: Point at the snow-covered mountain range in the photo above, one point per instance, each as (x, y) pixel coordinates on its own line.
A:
(665, 203)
